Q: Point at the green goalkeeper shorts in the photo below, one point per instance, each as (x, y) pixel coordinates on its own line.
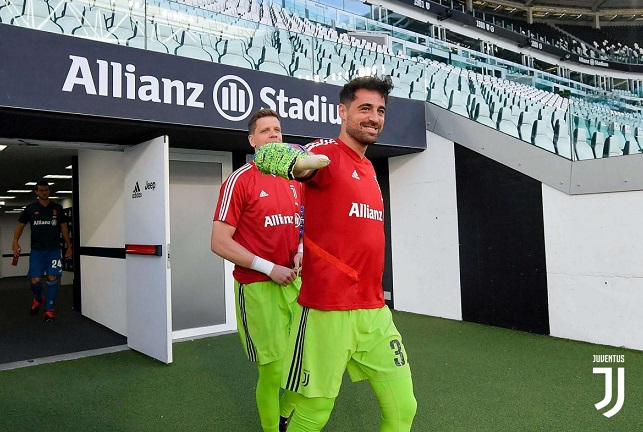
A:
(323, 344)
(264, 315)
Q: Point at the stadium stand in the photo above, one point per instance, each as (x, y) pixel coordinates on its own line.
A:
(267, 37)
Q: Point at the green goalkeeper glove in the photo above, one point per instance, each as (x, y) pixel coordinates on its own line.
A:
(287, 160)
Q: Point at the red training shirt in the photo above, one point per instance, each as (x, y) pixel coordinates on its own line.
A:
(265, 210)
(343, 233)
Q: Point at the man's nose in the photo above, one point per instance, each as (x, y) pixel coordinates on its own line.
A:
(374, 118)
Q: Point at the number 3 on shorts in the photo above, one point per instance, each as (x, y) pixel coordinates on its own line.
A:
(395, 345)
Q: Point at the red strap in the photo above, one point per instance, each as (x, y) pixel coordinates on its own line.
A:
(344, 268)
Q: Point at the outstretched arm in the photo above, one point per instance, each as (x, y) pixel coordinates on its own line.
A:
(290, 161)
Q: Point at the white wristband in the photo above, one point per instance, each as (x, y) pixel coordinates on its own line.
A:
(261, 265)
(300, 248)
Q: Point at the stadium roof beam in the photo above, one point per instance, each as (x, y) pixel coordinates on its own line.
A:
(590, 10)
(597, 4)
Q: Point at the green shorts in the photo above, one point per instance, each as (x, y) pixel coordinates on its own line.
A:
(264, 316)
(323, 344)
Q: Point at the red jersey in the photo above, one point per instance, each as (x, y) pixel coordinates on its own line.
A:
(343, 233)
(265, 210)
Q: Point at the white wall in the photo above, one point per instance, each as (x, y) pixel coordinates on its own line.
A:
(102, 219)
(424, 231)
(67, 277)
(8, 224)
(593, 242)
(594, 248)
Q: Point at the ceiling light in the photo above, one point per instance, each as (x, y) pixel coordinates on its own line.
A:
(57, 176)
(54, 197)
(7, 197)
(2, 147)
(35, 183)
(68, 167)
(64, 192)
(1, 203)
(19, 191)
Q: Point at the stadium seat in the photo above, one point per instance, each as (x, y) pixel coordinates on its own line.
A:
(525, 125)
(598, 144)
(458, 103)
(582, 149)
(436, 96)
(541, 136)
(192, 47)
(94, 26)
(563, 146)
(234, 54)
(613, 146)
(302, 67)
(508, 126)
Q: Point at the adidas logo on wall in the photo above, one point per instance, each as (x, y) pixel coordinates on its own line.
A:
(137, 191)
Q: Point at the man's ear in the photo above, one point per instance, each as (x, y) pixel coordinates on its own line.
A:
(342, 112)
(251, 140)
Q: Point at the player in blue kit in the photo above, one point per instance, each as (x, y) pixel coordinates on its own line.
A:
(47, 221)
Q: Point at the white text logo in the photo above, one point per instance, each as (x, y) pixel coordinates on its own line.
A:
(44, 222)
(146, 88)
(620, 383)
(279, 219)
(365, 211)
(316, 109)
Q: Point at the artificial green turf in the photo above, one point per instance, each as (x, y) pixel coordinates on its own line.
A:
(467, 377)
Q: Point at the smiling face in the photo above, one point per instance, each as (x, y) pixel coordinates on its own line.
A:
(266, 130)
(362, 119)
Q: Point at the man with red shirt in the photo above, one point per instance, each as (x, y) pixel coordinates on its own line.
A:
(257, 227)
(342, 322)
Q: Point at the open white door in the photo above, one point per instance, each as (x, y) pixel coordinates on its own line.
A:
(147, 240)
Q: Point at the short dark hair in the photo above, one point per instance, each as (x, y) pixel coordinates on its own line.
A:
(41, 183)
(382, 85)
(266, 112)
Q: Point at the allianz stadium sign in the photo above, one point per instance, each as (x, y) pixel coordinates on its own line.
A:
(58, 73)
(232, 96)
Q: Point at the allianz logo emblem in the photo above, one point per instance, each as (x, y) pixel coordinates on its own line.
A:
(232, 98)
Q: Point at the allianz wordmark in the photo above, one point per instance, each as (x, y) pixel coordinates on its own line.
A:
(231, 95)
